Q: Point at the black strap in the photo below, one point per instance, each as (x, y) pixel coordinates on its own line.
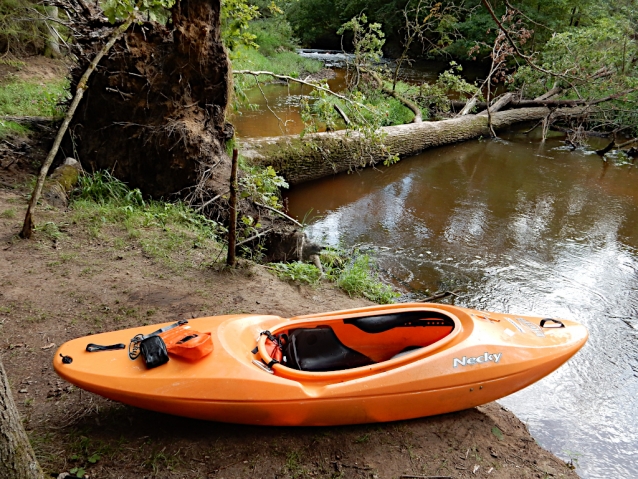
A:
(270, 336)
(91, 347)
(275, 340)
(272, 361)
(166, 328)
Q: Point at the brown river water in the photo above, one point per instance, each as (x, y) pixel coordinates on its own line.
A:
(516, 226)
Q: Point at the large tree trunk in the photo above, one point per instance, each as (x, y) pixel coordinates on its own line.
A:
(155, 113)
(324, 154)
(17, 460)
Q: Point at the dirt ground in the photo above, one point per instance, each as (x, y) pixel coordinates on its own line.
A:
(53, 290)
(58, 287)
(33, 68)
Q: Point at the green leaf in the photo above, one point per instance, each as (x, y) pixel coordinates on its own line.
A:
(497, 432)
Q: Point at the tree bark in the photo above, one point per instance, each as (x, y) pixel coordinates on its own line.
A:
(17, 459)
(232, 226)
(324, 154)
(27, 227)
(467, 108)
(500, 104)
(155, 115)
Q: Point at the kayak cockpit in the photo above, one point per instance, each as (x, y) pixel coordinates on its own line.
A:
(353, 345)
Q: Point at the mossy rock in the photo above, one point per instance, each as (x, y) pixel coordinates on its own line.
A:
(60, 184)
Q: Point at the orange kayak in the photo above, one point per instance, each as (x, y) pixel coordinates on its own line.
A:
(375, 364)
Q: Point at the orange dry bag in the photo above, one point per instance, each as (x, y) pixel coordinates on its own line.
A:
(186, 343)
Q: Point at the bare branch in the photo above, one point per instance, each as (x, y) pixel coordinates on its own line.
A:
(297, 80)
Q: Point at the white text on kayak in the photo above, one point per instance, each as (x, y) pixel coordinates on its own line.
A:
(483, 358)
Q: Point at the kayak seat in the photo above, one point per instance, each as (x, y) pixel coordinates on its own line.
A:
(385, 322)
(319, 350)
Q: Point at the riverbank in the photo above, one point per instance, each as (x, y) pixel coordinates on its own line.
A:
(69, 282)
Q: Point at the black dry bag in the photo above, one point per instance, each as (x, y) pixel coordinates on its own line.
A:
(153, 350)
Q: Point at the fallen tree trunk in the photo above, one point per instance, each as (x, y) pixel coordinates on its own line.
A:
(324, 154)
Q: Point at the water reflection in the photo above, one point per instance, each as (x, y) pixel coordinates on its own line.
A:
(521, 228)
(274, 108)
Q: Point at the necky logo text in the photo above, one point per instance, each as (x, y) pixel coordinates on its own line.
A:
(483, 358)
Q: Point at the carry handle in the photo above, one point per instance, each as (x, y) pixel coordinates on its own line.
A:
(544, 320)
(91, 347)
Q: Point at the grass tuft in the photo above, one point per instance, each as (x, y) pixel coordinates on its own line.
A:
(8, 214)
(298, 271)
(357, 277)
(11, 128)
(161, 229)
(33, 99)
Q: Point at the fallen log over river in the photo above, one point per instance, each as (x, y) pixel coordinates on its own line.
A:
(323, 154)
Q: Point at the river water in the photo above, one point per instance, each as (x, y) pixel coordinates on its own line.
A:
(520, 227)
(516, 226)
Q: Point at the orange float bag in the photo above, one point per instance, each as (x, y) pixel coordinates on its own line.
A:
(274, 350)
(187, 343)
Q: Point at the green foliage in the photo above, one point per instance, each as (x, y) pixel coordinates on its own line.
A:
(367, 40)
(261, 184)
(352, 273)
(8, 214)
(314, 20)
(50, 230)
(11, 128)
(33, 99)
(298, 271)
(156, 10)
(22, 30)
(450, 83)
(580, 55)
(357, 279)
(273, 35)
(235, 20)
(102, 188)
(283, 63)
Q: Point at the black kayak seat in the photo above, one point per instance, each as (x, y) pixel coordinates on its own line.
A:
(385, 322)
(320, 350)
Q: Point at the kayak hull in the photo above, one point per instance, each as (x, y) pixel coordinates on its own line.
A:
(486, 358)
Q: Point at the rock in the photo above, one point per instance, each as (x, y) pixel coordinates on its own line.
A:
(61, 182)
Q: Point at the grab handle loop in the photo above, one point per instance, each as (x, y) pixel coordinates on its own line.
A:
(544, 320)
(91, 347)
